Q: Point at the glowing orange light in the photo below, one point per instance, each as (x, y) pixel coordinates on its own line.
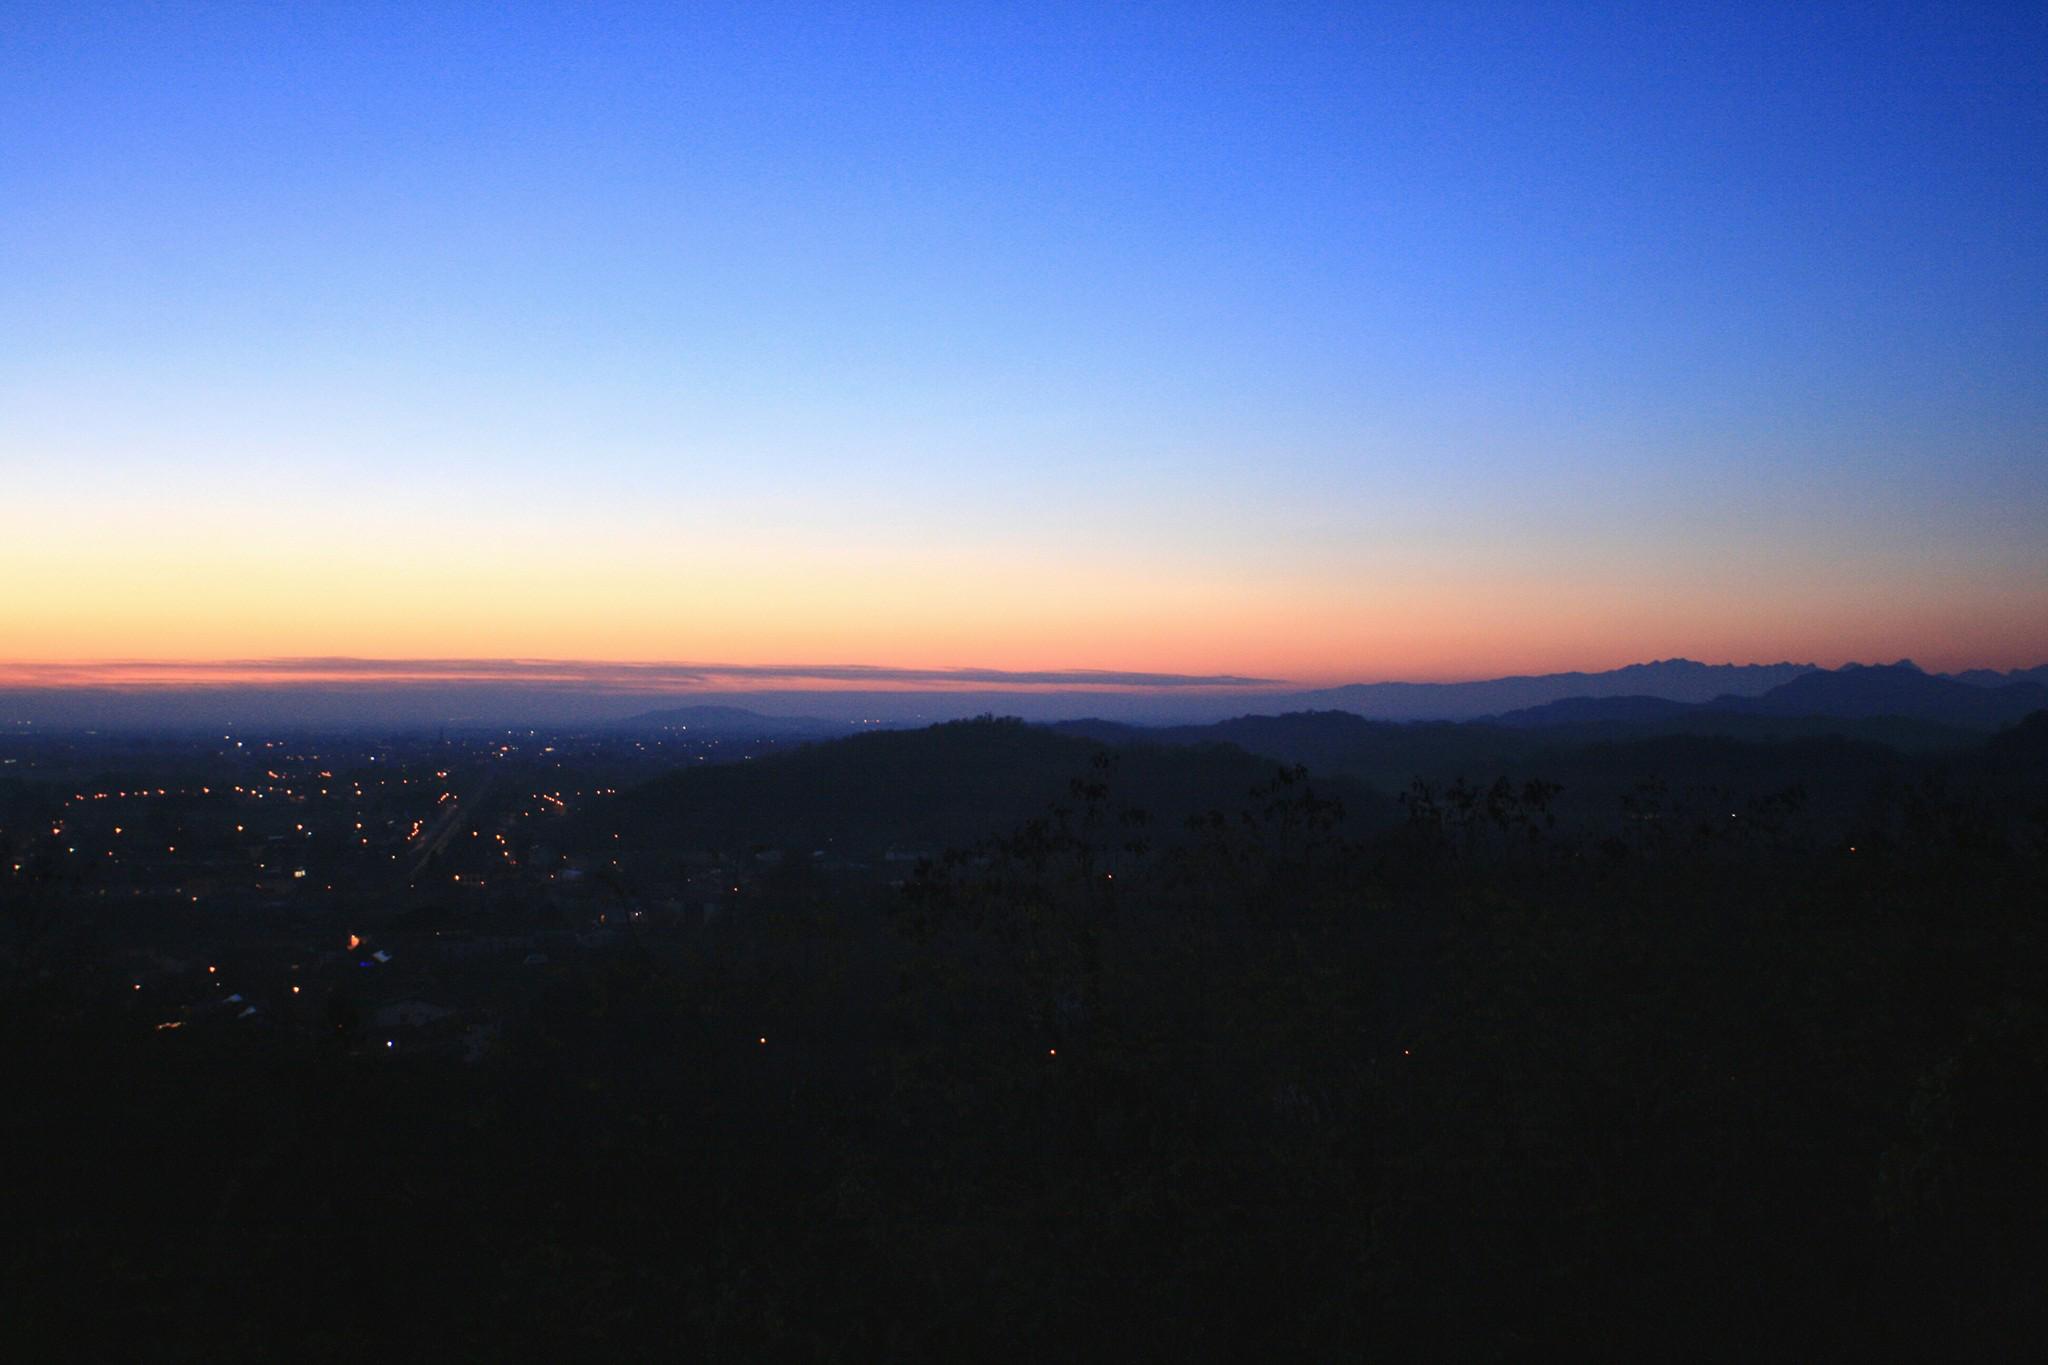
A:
(354, 942)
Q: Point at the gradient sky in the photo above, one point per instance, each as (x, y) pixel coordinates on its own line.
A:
(1318, 343)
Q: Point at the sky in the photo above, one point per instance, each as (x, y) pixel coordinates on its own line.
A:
(1313, 343)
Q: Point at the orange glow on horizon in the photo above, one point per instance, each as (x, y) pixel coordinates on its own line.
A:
(177, 601)
(191, 618)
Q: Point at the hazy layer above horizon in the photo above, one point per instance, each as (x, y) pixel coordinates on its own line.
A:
(494, 695)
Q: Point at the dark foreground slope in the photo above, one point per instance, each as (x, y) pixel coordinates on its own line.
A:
(1472, 1087)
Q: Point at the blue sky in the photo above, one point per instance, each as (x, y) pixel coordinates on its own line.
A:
(1218, 316)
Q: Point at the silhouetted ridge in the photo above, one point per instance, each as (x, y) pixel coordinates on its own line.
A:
(1672, 679)
(1898, 689)
(1386, 754)
(1991, 677)
(1898, 692)
(949, 783)
(1582, 710)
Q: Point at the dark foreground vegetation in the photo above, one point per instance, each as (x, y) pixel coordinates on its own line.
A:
(1705, 1076)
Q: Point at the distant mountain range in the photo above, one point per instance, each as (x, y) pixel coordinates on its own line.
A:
(1639, 692)
(1986, 701)
(1991, 677)
(1643, 693)
(1671, 679)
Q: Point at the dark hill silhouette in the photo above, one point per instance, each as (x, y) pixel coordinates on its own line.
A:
(1711, 760)
(1382, 753)
(1898, 689)
(1597, 762)
(1590, 719)
(1697, 757)
(1991, 677)
(954, 783)
(2021, 751)
(1903, 734)
(1582, 710)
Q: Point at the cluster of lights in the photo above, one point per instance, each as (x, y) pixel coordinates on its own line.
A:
(139, 794)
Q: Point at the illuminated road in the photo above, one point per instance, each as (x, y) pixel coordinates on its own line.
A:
(454, 816)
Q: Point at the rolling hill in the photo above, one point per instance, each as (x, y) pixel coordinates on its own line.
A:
(950, 784)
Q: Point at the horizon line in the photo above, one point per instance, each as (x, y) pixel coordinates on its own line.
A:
(651, 677)
(656, 678)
